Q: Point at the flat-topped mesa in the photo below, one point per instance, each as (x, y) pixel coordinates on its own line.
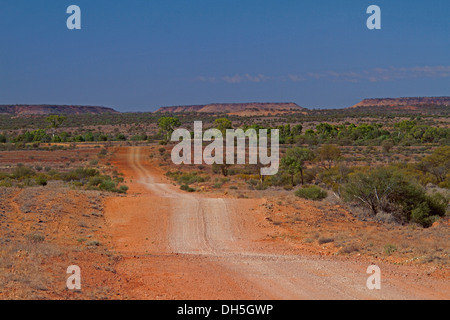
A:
(237, 108)
(403, 102)
(25, 110)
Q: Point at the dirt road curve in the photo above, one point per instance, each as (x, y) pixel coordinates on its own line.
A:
(179, 245)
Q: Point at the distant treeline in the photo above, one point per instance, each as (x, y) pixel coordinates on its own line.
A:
(406, 132)
(43, 136)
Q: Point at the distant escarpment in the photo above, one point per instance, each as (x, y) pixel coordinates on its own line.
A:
(242, 109)
(423, 104)
(25, 110)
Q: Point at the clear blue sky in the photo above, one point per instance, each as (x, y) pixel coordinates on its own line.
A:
(141, 54)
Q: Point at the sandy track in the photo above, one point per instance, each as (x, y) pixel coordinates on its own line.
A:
(198, 226)
(216, 231)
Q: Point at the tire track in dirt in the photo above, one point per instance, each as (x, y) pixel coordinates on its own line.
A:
(198, 226)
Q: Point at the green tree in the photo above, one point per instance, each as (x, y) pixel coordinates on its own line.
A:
(297, 130)
(88, 136)
(325, 128)
(222, 124)
(294, 161)
(403, 128)
(329, 155)
(222, 167)
(167, 125)
(437, 164)
(387, 145)
(55, 121)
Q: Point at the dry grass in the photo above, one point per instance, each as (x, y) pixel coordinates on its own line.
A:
(41, 228)
(329, 228)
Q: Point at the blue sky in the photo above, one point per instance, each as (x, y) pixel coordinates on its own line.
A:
(141, 54)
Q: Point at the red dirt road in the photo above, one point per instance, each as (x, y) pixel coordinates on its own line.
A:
(179, 245)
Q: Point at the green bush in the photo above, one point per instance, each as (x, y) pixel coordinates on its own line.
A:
(123, 189)
(387, 189)
(95, 181)
(119, 179)
(4, 175)
(41, 180)
(185, 187)
(217, 185)
(21, 172)
(6, 183)
(260, 186)
(429, 211)
(80, 174)
(437, 204)
(311, 192)
(107, 185)
(389, 249)
(186, 178)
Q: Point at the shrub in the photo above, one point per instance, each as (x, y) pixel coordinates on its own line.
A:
(6, 183)
(437, 204)
(185, 187)
(349, 248)
(93, 243)
(260, 186)
(389, 190)
(429, 211)
(119, 179)
(121, 137)
(437, 164)
(95, 181)
(389, 249)
(311, 192)
(4, 175)
(22, 172)
(107, 185)
(41, 180)
(35, 237)
(80, 174)
(217, 185)
(325, 240)
(186, 178)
